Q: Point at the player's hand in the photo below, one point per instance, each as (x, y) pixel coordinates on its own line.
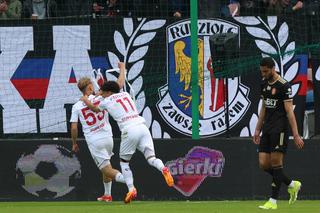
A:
(234, 9)
(121, 66)
(177, 14)
(298, 142)
(298, 6)
(256, 137)
(75, 148)
(99, 92)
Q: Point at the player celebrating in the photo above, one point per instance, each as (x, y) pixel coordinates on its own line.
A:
(98, 133)
(134, 133)
(276, 112)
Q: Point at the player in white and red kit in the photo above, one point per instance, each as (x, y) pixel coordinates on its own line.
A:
(97, 132)
(134, 133)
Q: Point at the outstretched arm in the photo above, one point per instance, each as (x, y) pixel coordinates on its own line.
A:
(89, 104)
(122, 76)
(293, 123)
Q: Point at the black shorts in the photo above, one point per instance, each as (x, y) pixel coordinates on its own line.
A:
(274, 142)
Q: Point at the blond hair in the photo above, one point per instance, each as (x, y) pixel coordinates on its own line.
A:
(83, 83)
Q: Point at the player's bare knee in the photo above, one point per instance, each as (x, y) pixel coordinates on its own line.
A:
(109, 172)
(105, 168)
(264, 165)
(276, 163)
(276, 159)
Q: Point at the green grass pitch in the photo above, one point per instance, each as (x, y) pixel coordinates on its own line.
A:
(156, 207)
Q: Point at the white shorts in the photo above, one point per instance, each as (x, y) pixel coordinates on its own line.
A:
(136, 137)
(101, 151)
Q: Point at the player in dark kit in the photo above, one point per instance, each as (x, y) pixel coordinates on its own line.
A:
(275, 115)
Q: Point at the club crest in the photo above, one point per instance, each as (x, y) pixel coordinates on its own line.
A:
(175, 97)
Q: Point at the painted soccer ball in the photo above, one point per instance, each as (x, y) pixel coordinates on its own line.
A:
(51, 171)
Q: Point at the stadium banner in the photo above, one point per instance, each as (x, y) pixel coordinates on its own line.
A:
(41, 62)
(316, 93)
(210, 169)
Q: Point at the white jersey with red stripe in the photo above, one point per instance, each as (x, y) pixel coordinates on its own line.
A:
(94, 125)
(123, 110)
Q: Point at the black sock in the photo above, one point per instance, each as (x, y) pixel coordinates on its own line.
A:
(277, 180)
(285, 179)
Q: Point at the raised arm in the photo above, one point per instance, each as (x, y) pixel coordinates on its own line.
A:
(89, 104)
(293, 123)
(122, 76)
